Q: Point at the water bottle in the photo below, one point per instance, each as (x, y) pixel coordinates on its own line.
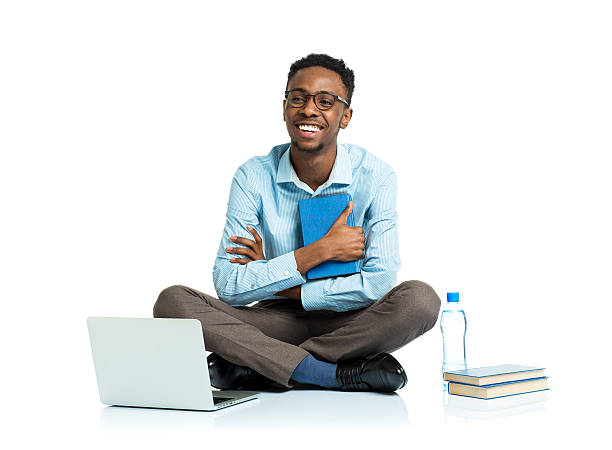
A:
(453, 325)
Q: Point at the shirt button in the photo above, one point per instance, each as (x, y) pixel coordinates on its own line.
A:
(252, 285)
(286, 272)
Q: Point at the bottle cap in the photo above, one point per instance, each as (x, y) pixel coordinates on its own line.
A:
(452, 296)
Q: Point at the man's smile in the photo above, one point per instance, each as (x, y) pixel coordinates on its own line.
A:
(309, 129)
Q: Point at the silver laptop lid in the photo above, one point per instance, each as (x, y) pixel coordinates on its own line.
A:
(158, 363)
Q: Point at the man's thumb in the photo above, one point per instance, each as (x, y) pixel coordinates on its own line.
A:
(347, 211)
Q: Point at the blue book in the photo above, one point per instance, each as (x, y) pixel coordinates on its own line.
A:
(317, 215)
(482, 376)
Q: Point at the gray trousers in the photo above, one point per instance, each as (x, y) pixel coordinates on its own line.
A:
(273, 336)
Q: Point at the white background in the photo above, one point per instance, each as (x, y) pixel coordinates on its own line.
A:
(123, 122)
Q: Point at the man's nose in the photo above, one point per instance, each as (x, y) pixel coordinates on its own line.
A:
(310, 108)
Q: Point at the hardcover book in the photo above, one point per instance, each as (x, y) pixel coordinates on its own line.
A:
(497, 390)
(494, 374)
(317, 215)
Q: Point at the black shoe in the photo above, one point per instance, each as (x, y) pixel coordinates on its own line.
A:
(383, 373)
(225, 375)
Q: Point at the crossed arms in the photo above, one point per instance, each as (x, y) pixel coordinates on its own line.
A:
(242, 275)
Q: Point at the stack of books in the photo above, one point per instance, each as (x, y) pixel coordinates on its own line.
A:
(496, 381)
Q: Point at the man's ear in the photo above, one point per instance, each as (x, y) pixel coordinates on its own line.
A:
(346, 118)
(284, 105)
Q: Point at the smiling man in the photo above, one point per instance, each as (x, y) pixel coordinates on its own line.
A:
(334, 333)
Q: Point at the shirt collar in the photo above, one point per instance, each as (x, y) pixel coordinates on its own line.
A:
(342, 172)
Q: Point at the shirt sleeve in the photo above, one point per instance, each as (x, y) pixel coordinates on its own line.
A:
(241, 284)
(380, 266)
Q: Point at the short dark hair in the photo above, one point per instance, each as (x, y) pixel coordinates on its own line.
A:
(326, 61)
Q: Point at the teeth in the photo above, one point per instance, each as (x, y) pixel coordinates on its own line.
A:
(308, 128)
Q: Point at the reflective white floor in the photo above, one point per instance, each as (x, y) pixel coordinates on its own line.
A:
(316, 409)
(423, 415)
(355, 418)
(293, 409)
(65, 410)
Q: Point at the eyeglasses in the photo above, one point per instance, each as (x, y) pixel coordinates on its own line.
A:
(323, 100)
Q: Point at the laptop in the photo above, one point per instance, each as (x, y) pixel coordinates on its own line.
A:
(155, 363)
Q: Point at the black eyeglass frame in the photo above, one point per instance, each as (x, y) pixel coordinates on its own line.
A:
(336, 98)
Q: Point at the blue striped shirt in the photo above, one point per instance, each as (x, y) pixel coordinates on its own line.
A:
(264, 194)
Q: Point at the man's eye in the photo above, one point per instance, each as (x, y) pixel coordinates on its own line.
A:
(297, 98)
(325, 102)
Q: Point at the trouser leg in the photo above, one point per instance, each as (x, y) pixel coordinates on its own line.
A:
(263, 339)
(403, 314)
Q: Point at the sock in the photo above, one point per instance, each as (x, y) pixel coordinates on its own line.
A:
(313, 371)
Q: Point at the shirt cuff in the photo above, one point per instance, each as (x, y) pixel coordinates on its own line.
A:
(284, 267)
(313, 295)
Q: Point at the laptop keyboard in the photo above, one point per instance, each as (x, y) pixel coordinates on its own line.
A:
(221, 399)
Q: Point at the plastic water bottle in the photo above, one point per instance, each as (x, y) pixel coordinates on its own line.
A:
(453, 325)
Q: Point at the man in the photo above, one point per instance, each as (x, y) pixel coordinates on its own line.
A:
(333, 333)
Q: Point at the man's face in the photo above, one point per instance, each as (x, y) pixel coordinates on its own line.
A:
(312, 80)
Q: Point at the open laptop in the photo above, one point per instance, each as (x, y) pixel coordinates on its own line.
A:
(155, 363)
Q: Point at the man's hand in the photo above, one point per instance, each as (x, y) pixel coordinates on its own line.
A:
(346, 243)
(253, 250)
